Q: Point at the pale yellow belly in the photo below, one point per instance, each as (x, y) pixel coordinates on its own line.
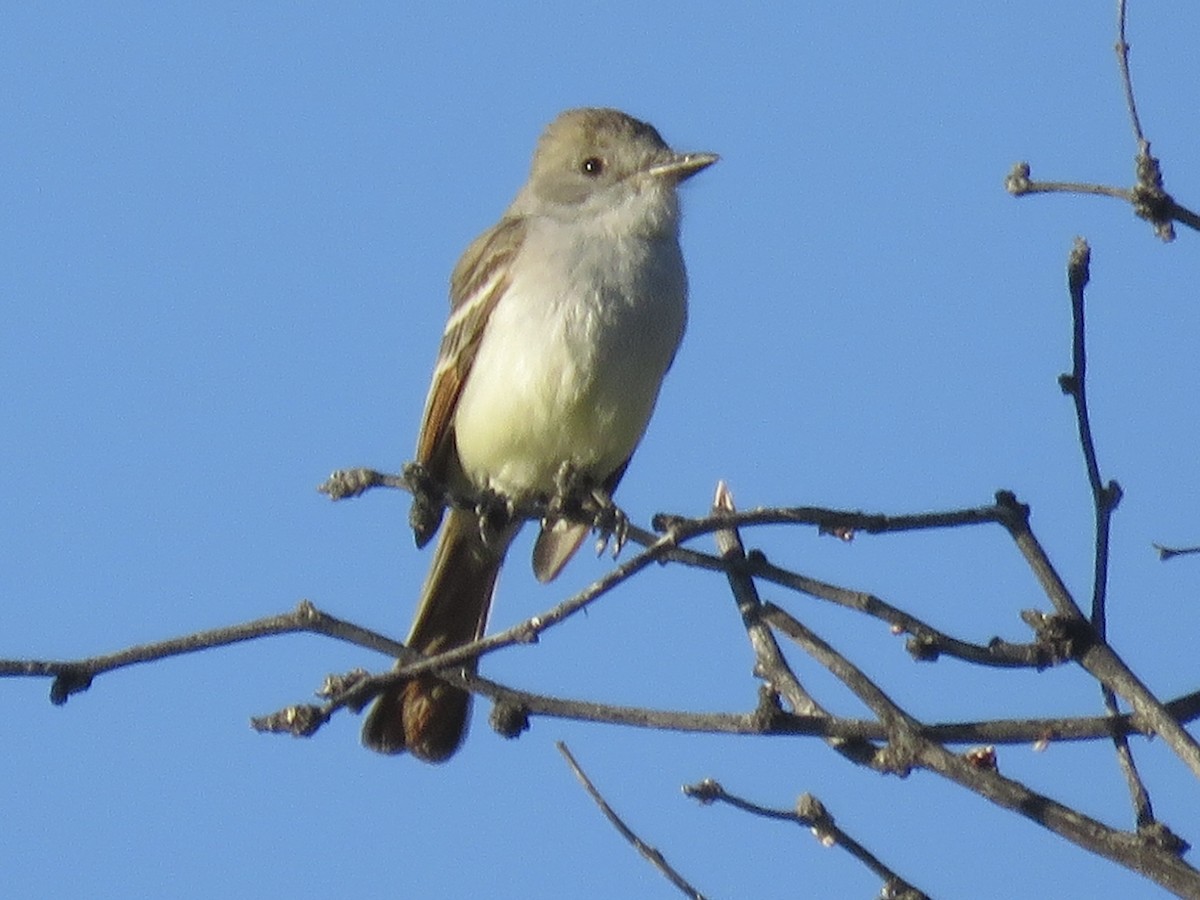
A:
(550, 387)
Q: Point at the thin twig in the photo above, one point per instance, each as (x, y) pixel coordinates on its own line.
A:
(1139, 796)
(1148, 198)
(900, 726)
(1122, 48)
(653, 855)
(1037, 731)
(926, 643)
(1105, 497)
(73, 676)
(843, 523)
(812, 814)
(1165, 553)
(770, 663)
(1019, 182)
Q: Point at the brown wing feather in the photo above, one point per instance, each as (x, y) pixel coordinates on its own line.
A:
(477, 284)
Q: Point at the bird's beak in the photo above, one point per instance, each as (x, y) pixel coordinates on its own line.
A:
(683, 165)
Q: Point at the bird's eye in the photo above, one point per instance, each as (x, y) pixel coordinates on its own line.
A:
(592, 166)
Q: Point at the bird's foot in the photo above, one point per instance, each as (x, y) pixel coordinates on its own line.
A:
(578, 497)
(494, 512)
(428, 502)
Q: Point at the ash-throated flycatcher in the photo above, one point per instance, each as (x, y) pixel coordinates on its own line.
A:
(564, 318)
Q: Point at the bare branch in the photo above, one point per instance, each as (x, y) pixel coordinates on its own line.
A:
(909, 742)
(1122, 48)
(344, 483)
(771, 665)
(1041, 731)
(356, 688)
(900, 726)
(653, 855)
(842, 523)
(926, 643)
(1148, 199)
(1105, 497)
(1148, 196)
(909, 748)
(1165, 553)
(1093, 654)
(812, 814)
(1155, 856)
(73, 676)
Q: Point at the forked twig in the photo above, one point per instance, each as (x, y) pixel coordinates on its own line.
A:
(1148, 196)
(812, 814)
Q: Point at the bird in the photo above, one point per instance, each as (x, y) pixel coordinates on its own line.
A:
(565, 316)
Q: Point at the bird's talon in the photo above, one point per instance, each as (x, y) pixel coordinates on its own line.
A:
(493, 511)
(609, 521)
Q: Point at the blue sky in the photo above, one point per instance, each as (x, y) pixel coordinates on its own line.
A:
(227, 234)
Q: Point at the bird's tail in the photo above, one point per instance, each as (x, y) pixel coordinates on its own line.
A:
(423, 715)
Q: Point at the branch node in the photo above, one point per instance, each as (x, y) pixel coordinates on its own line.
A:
(983, 758)
(336, 685)
(922, 648)
(1159, 836)
(769, 710)
(1079, 262)
(298, 721)
(1061, 638)
(1015, 513)
(707, 791)
(1150, 198)
(1018, 182)
(306, 611)
(509, 719)
(844, 533)
(1111, 497)
(812, 811)
(527, 632)
(666, 522)
(343, 483)
(898, 889)
(896, 757)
